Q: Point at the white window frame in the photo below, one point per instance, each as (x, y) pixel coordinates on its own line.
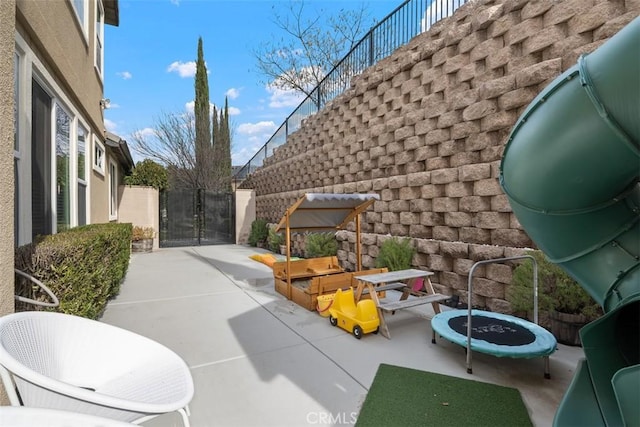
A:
(98, 156)
(87, 160)
(82, 20)
(72, 190)
(23, 200)
(113, 189)
(18, 98)
(98, 40)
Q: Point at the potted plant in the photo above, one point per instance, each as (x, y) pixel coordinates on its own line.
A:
(318, 245)
(142, 239)
(276, 241)
(569, 306)
(395, 254)
(259, 233)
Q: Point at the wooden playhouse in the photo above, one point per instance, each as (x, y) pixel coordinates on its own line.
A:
(302, 281)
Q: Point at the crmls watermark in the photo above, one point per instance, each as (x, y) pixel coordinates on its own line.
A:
(327, 418)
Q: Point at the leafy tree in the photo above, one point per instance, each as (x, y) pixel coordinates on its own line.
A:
(172, 144)
(148, 173)
(310, 47)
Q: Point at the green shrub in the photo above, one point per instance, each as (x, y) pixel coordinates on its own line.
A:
(148, 173)
(556, 289)
(395, 254)
(320, 245)
(274, 240)
(83, 267)
(259, 233)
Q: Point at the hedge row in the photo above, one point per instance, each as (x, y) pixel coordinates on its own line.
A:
(83, 266)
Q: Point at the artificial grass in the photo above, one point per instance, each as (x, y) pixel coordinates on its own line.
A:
(408, 397)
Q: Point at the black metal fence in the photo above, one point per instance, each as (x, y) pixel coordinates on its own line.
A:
(407, 21)
(196, 217)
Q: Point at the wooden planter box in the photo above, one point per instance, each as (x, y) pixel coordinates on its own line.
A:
(313, 277)
(142, 246)
(566, 327)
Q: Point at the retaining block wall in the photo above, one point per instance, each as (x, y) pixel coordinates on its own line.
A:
(425, 129)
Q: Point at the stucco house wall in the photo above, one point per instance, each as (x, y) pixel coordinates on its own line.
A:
(140, 206)
(52, 31)
(425, 129)
(7, 28)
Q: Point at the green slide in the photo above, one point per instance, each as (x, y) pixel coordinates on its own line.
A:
(571, 171)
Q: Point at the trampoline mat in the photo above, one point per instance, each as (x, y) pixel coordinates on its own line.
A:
(492, 330)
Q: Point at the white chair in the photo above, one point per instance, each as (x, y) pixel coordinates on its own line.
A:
(21, 416)
(70, 363)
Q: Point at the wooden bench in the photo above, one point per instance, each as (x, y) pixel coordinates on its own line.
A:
(398, 305)
(387, 287)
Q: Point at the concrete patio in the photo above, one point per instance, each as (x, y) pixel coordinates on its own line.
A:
(260, 360)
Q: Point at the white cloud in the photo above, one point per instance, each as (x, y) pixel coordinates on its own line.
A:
(256, 129)
(233, 93)
(110, 125)
(241, 156)
(190, 107)
(184, 69)
(124, 75)
(280, 98)
(146, 132)
(437, 11)
(233, 111)
(176, 2)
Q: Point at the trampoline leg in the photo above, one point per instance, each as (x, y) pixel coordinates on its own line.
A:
(433, 337)
(547, 371)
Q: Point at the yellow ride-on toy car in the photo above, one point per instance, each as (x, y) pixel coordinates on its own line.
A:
(359, 319)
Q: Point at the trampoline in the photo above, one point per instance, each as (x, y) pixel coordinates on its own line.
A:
(496, 334)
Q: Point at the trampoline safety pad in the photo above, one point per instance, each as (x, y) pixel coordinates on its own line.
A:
(495, 333)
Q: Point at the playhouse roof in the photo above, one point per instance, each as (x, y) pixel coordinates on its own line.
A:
(325, 211)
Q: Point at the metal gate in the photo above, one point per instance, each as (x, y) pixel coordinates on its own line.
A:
(196, 217)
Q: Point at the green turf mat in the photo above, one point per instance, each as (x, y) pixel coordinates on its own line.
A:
(408, 397)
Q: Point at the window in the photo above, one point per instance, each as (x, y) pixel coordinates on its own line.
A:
(99, 36)
(98, 156)
(16, 100)
(52, 151)
(80, 6)
(16, 148)
(81, 139)
(63, 148)
(41, 175)
(113, 190)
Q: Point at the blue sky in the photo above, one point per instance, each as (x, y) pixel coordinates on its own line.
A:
(150, 63)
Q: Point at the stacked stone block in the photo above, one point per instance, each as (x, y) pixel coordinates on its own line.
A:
(425, 129)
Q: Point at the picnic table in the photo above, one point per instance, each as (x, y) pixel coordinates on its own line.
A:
(411, 282)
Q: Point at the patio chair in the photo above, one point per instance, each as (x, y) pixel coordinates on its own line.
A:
(22, 416)
(69, 363)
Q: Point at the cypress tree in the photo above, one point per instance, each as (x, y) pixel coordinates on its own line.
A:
(203, 123)
(222, 147)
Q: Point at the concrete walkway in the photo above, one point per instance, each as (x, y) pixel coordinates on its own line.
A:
(260, 360)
